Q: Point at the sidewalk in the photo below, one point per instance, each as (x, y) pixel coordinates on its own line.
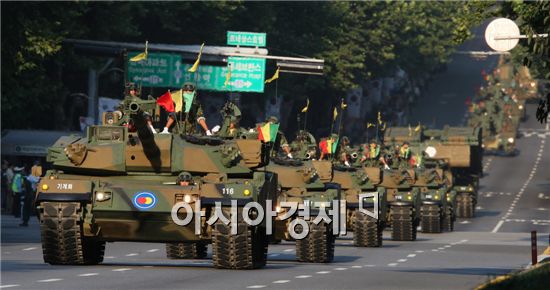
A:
(13, 233)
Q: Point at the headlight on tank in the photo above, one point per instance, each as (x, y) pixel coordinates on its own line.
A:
(247, 192)
(102, 196)
(436, 196)
(532, 84)
(45, 187)
(520, 107)
(510, 140)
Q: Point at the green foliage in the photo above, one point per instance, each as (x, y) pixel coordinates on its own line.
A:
(358, 40)
(532, 17)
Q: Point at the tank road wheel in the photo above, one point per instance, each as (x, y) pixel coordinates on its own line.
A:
(190, 250)
(448, 220)
(431, 220)
(465, 206)
(245, 250)
(62, 239)
(403, 224)
(318, 245)
(366, 231)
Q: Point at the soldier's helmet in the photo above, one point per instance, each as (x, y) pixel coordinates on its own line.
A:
(345, 140)
(130, 86)
(273, 120)
(188, 87)
(184, 176)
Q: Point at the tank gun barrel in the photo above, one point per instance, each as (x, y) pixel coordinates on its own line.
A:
(145, 135)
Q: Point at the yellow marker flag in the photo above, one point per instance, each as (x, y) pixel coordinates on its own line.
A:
(343, 105)
(196, 64)
(141, 56)
(334, 114)
(410, 131)
(177, 97)
(227, 75)
(417, 128)
(274, 77)
(306, 107)
(379, 118)
(370, 125)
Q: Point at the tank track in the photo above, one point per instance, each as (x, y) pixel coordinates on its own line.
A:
(317, 246)
(366, 231)
(245, 250)
(448, 220)
(62, 239)
(403, 223)
(431, 219)
(189, 250)
(465, 206)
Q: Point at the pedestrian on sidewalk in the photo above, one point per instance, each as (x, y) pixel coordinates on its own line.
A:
(17, 190)
(29, 188)
(8, 174)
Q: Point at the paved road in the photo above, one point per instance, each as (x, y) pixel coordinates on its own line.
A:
(515, 199)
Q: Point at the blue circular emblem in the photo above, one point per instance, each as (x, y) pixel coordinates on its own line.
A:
(144, 200)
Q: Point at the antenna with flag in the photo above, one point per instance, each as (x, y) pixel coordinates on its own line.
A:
(305, 110)
(139, 58)
(195, 66)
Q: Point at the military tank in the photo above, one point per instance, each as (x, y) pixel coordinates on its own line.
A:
(306, 182)
(366, 205)
(436, 210)
(404, 201)
(461, 148)
(118, 183)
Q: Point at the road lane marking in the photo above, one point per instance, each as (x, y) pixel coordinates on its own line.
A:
(121, 269)
(109, 257)
(49, 280)
(30, 249)
(152, 250)
(497, 227)
(435, 250)
(281, 281)
(419, 251)
(274, 255)
(323, 272)
(88, 274)
(302, 276)
(411, 255)
(9, 286)
(441, 248)
(370, 265)
(521, 191)
(256, 286)
(465, 222)
(392, 264)
(288, 250)
(447, 246)
(340, 269)
(357, 267)
(132, 254)
(402, 260)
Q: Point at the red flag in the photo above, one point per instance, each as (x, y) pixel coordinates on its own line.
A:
(324, 146)
(260, 135)
(166, 102)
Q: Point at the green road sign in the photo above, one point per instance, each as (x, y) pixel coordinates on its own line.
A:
(167, 70)
(155, 71)
(246, 38)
